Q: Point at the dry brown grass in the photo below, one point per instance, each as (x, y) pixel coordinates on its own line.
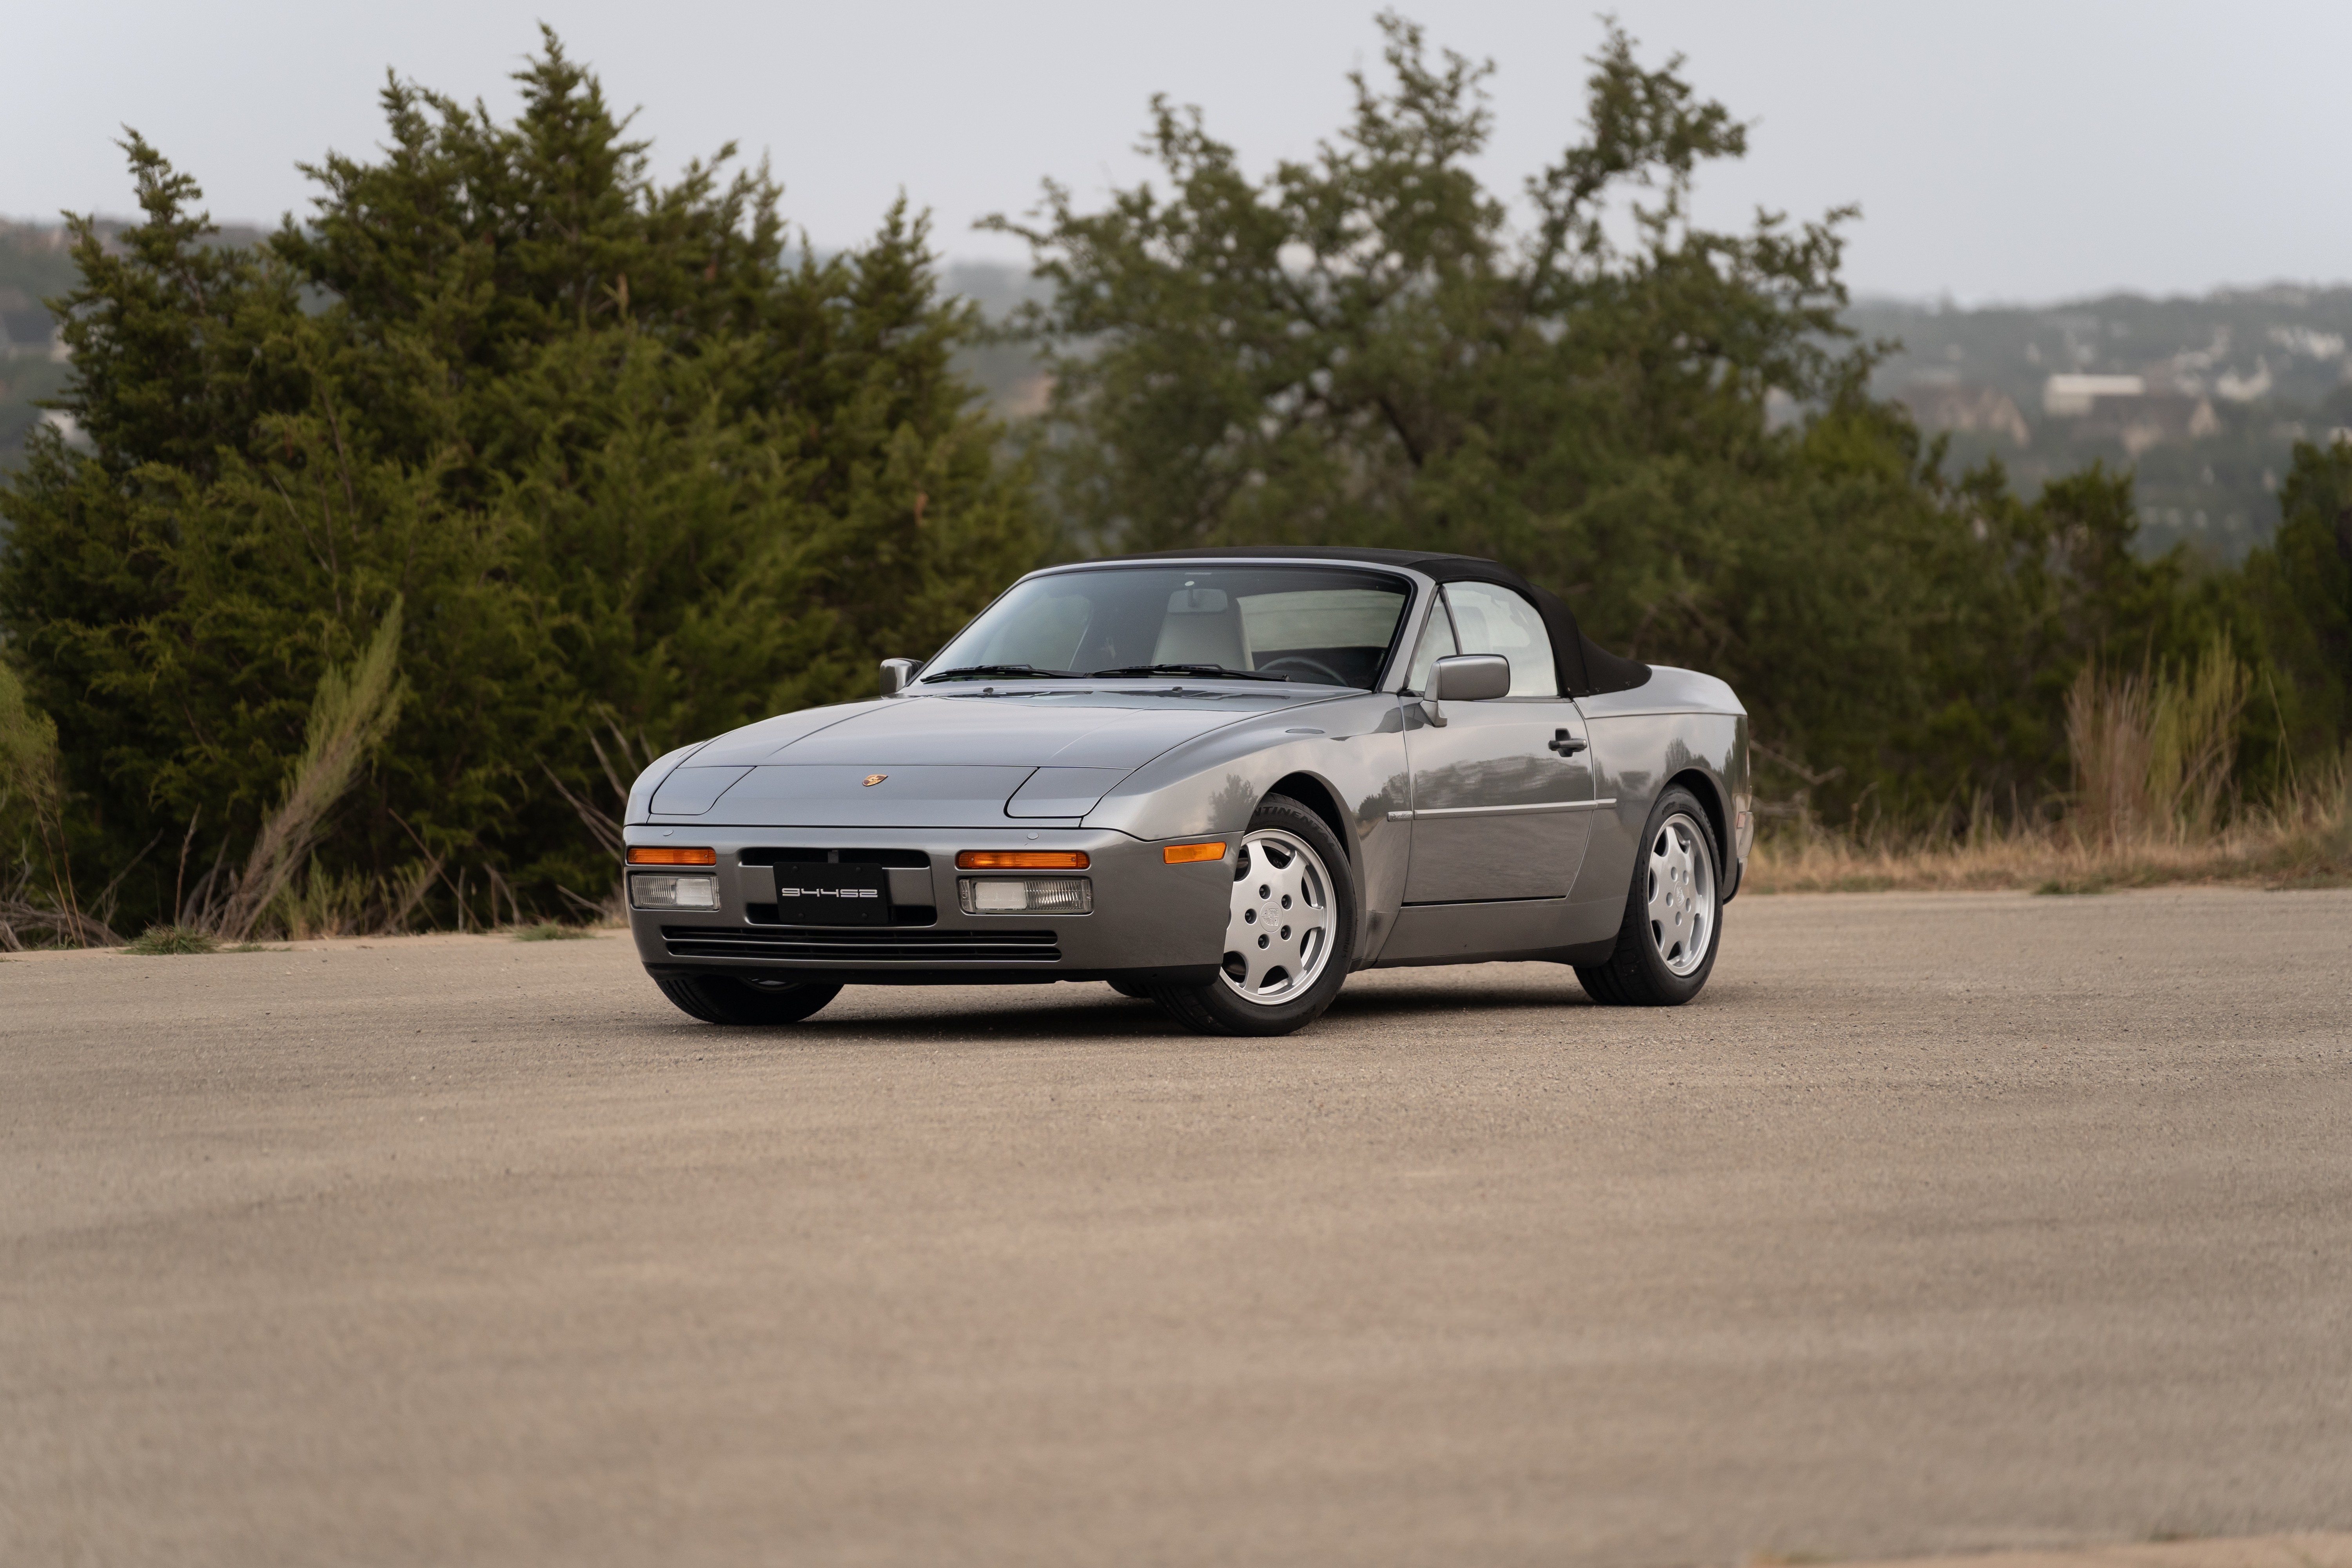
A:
(352, 712)
(2304, 843)
(2152, 752)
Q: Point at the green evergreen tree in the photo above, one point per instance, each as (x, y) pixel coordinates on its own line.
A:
(1363, 348)
(2300, 590)
(636, 473)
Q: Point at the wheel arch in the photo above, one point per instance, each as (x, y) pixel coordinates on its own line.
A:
(1709, 791)
(1316, 796)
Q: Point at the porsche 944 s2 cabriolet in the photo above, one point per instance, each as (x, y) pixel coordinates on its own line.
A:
(1220, 779)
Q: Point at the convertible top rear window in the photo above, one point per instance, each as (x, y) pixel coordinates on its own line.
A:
(1317, 624)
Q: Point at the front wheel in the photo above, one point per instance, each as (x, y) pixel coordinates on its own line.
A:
(1290, 932)
(725, 999)
(1674, 913)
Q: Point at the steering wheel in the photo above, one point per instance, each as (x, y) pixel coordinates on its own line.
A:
(1316, 667)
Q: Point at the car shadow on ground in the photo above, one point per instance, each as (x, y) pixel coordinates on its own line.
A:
(1401, 1001)
(1085, 1011)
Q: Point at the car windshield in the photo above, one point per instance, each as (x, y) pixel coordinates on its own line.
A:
(1319, 625)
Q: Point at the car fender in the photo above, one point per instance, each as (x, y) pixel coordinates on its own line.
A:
(1212, 785)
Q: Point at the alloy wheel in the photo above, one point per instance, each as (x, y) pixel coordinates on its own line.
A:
(1681, 894)
(1279, 937)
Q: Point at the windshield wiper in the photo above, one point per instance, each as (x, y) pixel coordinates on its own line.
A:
(1001, 672)
(1217, 670)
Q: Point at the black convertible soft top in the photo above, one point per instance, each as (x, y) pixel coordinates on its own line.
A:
(1586, 668)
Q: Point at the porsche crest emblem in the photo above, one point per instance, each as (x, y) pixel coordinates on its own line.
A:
(873, 779)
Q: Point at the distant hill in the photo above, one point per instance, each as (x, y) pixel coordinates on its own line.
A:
(1007, 373)
(2203, 398)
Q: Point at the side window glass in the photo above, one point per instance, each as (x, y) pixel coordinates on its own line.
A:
(1436, 643)
(1491, 619)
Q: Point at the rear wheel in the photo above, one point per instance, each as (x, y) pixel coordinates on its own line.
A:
(728, 999)
(1290, 935)
(1674, 912)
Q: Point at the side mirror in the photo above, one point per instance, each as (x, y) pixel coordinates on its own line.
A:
(1466, 677)
(897, 673)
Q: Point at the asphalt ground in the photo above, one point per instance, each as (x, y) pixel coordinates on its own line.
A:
(1939, 1223)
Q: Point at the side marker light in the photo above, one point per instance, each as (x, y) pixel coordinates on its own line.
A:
(1185, 854)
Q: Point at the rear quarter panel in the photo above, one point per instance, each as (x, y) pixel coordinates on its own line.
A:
(1678, 725)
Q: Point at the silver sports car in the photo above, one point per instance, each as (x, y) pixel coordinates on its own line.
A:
(1221, 779)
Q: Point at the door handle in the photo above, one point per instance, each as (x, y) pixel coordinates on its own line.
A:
(1565, 745)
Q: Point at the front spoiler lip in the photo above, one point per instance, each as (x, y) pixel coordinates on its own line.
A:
(978, 974)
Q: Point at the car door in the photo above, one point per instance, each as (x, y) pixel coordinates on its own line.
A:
(1501, 789)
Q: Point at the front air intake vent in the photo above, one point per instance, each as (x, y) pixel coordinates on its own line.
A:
(900, 915)
(851, 945)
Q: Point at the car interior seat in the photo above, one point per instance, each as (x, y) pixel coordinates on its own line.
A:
(1203, 625)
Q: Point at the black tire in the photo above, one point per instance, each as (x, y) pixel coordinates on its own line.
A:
(1217, 1007)
(724, 999)
(1134, 988)
(1640, 973)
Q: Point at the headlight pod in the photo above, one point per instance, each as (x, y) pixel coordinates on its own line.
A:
(1025, 895)
(672, 892)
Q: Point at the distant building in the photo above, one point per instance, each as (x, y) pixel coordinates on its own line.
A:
(2071, 396)
(2122, 409)
(2308, 343)
(1954, 406)
(2245, 388)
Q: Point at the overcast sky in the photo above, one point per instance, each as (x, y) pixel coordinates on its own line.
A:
(1999, 150)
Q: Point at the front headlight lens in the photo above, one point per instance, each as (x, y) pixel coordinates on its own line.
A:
(674, 892)
(1025, 895)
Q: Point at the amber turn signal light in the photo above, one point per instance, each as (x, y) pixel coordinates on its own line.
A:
(1022, 860)
(663, 854)
(1185, 854)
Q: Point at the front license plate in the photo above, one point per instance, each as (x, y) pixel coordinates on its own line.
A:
(830, 894)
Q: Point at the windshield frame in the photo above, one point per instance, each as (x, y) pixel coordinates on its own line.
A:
(1419, 590)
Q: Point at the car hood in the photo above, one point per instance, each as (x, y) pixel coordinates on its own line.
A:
(969, 759)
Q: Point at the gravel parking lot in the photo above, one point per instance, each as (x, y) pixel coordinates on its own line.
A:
(1939, 1223)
